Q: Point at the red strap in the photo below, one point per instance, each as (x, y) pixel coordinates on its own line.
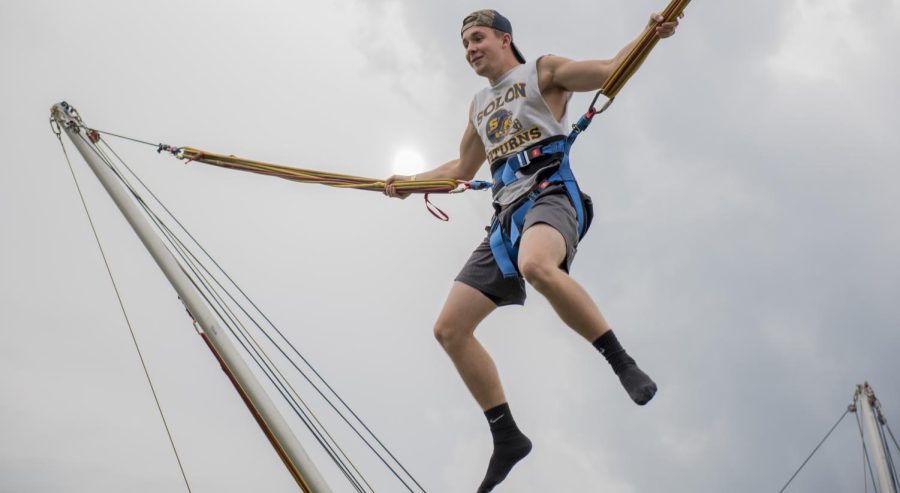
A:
(199, 155)
(435, 211)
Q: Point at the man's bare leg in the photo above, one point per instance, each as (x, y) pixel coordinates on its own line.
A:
(464, 309)
(541, 252)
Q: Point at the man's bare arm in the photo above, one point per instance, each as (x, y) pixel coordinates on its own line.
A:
(471, 157)
(562, 74)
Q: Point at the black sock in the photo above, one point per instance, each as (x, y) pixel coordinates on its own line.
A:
(510, 446)
(639, 386)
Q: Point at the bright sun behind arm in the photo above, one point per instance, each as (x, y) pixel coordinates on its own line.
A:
(408, 161)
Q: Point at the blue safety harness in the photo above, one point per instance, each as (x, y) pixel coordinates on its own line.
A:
(506, 235)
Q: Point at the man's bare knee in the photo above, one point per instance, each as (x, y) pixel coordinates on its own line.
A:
(450, 335)
(537, 273)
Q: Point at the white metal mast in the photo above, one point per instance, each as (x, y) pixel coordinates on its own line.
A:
(273, 424)
(869, 410)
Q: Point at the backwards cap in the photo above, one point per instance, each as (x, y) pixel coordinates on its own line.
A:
(493, 20)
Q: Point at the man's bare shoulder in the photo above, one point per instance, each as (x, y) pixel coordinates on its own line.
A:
(547, 67)
(550, 63)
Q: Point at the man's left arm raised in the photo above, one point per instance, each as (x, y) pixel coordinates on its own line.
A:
(589, 75)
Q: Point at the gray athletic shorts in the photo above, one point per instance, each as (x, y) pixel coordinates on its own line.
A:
(553, 208)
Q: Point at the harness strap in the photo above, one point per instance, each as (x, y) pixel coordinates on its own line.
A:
(504, 242)
(506, 174)
(566, 176)
(504, 255)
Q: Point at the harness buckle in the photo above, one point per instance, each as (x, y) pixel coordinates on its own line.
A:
(523, 158)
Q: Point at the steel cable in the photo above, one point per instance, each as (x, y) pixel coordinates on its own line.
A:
(814, 451)
(127, 320)
(280, 334)
(161, 226)
(209, 296)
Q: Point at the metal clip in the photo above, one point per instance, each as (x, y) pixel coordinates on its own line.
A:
(54, 126)
(461, 186)
(175, 151)
(71, 111)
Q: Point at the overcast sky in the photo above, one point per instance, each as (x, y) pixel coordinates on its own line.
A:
(745, 247)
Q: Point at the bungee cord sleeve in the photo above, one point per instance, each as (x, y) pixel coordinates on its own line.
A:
(639, 53)
(321, 177)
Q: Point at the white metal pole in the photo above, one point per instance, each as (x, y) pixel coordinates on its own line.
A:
(865, 398)
(295, 458)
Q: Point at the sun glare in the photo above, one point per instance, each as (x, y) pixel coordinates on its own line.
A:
(408, 161)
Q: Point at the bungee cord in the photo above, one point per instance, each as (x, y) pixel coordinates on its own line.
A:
(639, 53)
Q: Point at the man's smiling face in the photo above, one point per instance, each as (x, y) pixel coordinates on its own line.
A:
(484, 48)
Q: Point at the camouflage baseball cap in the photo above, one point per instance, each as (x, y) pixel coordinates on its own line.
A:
(492, 19)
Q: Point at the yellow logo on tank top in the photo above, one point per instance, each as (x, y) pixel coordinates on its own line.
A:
(513, 93)
(499, 125)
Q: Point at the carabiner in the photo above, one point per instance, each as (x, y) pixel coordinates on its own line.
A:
(54, 126)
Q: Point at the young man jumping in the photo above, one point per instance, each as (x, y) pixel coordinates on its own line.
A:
(518, 124)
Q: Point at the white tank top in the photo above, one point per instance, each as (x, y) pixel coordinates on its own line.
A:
(512, 115)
